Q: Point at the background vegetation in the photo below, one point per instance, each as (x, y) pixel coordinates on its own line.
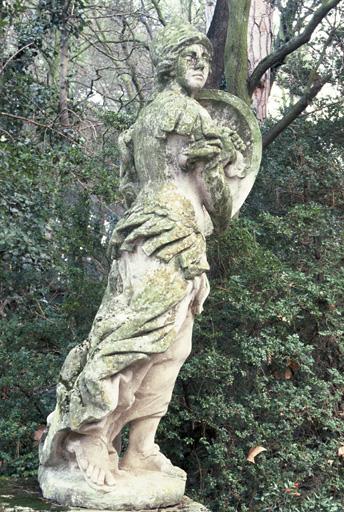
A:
(267, 363)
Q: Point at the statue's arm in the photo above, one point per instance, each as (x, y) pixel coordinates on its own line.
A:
(216, 194)
(205, 159)
(128, 176)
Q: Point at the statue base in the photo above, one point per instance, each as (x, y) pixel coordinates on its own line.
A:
(23, 494)
(141, 490)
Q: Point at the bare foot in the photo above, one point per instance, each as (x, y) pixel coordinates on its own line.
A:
(93, 460)
(153, 460)
(114, 461)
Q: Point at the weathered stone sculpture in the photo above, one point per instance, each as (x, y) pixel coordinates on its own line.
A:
(187, 166)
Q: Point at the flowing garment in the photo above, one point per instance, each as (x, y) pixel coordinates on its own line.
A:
(157, 283)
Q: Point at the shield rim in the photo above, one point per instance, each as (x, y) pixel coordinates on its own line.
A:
(253, 158)
(242, 110)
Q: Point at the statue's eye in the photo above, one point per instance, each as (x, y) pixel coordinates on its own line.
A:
(193, 58)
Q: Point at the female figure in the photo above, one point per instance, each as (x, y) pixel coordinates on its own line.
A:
(124, 373)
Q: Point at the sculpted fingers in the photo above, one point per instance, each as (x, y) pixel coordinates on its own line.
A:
(204, 150)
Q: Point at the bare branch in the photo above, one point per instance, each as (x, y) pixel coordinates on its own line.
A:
(144, 21)
(277, 57)
(294, 112)
(12, 139)
(105, 41)
(131, 66)
(107, 54)
(158, 11)
(321, 108)
(190, 11)
(14, 56)
(35, 123)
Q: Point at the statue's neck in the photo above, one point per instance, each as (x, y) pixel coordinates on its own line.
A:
(175, 87)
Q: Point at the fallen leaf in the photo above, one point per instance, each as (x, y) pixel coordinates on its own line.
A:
(341, 451)
(253, 452)
(38, 433)
(293, 365)
(288, 374)
(330, 462)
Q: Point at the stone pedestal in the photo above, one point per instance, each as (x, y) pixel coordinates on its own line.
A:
(23, 495)
(140, 490)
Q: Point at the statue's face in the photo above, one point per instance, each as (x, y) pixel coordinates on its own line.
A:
(192, 68)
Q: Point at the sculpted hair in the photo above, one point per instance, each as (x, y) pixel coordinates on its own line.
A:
(168, 44)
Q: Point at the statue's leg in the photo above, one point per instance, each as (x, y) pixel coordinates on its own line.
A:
(95, 455)
(90, 447)
(93, 445)
(92, 458)
(118, 421)
(151, 403)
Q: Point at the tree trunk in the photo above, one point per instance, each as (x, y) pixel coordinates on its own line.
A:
(217, 33)
(235, 55)
(259, 41)
(259, 46)
(209, 13)
(63, 80)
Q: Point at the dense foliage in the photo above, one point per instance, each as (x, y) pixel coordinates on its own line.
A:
(267, 364)
(53, 264)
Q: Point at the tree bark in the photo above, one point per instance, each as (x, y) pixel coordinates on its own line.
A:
(217, 34)
(258, 43)
(156, 4)
(259, 46)
(235, 55)
(63, 79)
(209, 13)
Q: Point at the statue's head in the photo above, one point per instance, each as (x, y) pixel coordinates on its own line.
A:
(182, 54)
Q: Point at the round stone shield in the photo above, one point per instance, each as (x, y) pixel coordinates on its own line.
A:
(231, 112)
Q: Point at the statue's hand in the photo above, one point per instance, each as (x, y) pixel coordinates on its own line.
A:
(229, 153)
(200, 151)
(236, 169)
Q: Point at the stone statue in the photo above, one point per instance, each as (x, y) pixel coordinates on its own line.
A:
(184, 172)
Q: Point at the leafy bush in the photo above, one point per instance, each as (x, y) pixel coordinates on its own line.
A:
(53, 270)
